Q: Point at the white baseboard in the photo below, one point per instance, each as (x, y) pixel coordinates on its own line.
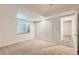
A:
(14, 43)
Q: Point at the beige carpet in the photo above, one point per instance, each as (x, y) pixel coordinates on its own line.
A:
(20, 48)
(55, 50)
(36, 47)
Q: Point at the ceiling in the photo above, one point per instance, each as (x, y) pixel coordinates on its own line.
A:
(41, 8)
(49, 9)
(35, 11)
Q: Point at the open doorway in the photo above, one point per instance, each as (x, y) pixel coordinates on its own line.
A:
(67, 27)
(67, 30)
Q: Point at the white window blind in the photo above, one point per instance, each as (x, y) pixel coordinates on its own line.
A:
(22, 26)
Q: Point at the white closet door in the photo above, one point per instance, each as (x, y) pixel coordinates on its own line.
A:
(44, 30)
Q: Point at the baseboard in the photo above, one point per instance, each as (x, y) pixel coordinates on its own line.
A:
(15, 43)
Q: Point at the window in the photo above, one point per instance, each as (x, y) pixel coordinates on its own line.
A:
(22, 26)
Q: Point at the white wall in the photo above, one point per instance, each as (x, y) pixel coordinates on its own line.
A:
(56, 28)
(44, 30)
(8, 33)
(7, 30)
(49, 30)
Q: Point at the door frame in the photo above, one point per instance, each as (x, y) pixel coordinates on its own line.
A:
(65, 18)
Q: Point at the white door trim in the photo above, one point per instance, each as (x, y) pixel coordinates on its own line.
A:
(67, 18)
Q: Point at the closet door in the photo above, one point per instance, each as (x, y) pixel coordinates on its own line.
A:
(44, 30)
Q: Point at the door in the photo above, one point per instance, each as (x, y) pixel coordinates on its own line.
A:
(68, 30)
(67, 27)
